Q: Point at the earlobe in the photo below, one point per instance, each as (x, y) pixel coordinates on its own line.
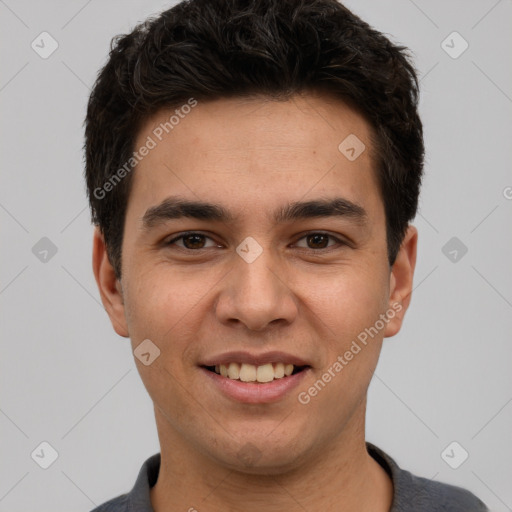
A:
(109, 286)
(401, 281)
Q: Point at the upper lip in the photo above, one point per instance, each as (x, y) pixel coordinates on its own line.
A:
(241, 356)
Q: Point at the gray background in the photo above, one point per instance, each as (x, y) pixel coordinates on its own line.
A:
(69, 380)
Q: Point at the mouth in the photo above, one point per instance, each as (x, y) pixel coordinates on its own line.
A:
(255, 378)
(261, 374)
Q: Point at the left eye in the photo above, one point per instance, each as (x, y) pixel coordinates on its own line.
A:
(318, 240)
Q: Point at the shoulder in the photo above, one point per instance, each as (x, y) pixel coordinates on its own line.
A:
(118, 504)
(138, 499)
(429, 495)
(420, 494)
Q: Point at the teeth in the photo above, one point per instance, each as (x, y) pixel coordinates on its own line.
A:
(247, 373)
(233, 371)
(250, 373)
(265, 373)
(279, 371)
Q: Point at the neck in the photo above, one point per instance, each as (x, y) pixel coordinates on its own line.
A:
(341, 477)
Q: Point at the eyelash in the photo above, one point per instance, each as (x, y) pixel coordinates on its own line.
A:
(189, 233)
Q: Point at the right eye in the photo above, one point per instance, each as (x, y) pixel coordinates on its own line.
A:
(192, 241)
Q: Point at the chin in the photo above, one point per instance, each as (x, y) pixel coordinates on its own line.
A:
(260, 455)
(264, 464)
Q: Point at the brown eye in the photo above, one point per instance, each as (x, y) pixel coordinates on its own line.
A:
(192, 241)
(318, 241)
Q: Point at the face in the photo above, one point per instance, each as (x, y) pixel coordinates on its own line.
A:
(253, 243)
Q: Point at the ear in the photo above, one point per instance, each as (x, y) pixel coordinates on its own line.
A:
(110, 288)
(400, 281)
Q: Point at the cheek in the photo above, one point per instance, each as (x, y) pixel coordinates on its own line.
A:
(168, 308)
(344, 319)
(346, 303)
(161, 308)
(161, 302)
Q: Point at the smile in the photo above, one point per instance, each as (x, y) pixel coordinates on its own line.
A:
(253, 378)
(245, 372)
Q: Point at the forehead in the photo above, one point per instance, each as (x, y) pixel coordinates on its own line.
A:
(256, 151)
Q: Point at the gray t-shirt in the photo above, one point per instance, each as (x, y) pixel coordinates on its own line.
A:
(411, 493)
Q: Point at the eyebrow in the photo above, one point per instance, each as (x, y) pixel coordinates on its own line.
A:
(175, 207)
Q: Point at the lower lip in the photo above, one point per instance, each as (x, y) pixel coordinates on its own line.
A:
(256, 393)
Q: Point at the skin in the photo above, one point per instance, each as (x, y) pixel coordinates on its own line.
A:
(253, 156)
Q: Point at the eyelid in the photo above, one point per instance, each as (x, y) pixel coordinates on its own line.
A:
(188, 233)
(338, 240)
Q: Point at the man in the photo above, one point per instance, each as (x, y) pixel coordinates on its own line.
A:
(252, 169)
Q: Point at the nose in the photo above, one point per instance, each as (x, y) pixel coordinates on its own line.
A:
(256, 294)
